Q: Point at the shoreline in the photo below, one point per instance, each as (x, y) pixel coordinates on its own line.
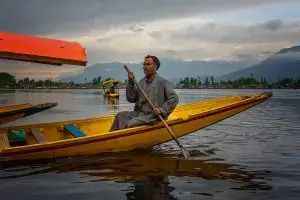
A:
(205, 88)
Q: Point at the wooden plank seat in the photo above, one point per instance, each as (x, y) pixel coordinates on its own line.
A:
(74, 131)
(4, 143)
(40, 138)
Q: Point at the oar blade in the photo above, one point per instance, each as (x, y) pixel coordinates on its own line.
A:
(185, 153)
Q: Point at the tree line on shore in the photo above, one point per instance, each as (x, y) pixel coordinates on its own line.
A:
(9, 81)
(243, 82)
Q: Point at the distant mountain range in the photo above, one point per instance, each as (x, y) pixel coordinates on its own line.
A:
(170, 69)
(284, 63)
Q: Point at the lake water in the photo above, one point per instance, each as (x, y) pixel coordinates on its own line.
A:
(252, 155)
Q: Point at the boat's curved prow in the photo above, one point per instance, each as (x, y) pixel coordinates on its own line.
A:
(268, 94)
(15, 112)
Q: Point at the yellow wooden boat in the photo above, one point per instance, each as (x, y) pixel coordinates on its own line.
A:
(14, 112)
(112, 95)
(109, 88)
(89, 136)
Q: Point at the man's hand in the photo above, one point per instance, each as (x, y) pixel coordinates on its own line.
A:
(157, 111)
(131, 75)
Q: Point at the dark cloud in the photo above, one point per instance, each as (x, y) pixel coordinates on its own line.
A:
(73, 16)
(156, 35)
(273, 24)
(104, 40)
(243, 56)
(268, 32)
(136, 28)
(69, 18)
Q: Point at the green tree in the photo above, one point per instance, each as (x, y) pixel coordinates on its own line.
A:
(206, 81)
(212, 80)
(223, 82)
(198, 81)
(7, 79)
(39, 83)
(95, 82)
(26, 81)
(99, 79)
(32, 83)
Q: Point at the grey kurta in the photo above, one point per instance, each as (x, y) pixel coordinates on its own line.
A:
(160, 92)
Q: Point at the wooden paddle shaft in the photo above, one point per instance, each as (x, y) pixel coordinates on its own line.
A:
(153, 107)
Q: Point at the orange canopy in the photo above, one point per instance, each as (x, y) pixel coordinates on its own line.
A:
(41, 50)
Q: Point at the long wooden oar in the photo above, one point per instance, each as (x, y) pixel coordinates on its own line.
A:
(184, 151)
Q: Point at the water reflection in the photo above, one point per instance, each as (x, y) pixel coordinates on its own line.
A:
(149, 173)
(111, 103)
(152, 187)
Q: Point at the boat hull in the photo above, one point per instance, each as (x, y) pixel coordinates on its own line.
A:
(131, 138)
(15, 112)
(114, 95)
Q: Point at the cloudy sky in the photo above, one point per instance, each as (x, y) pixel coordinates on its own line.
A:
(127, 30)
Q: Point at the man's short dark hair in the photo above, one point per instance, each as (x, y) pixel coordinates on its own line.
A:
(155, 60)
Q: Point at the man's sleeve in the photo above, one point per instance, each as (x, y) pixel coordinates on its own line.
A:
(171, 99)
(131, 92)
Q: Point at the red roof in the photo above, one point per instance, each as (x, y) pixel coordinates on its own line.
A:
(41, 50)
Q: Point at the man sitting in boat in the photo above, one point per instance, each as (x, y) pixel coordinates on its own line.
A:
(160, 92)
(112, 89)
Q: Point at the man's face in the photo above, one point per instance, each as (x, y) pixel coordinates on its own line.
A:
(149, 67)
